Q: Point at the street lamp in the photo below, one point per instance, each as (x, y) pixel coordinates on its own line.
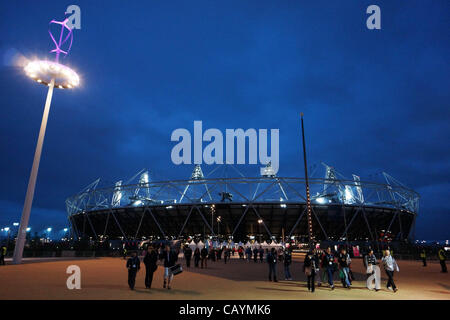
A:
(219, 219)
(52, 74)
(259, 231)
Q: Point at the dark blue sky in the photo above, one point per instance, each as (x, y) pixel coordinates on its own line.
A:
(373, 100)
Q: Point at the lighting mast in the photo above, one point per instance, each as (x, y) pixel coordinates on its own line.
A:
(51, 74)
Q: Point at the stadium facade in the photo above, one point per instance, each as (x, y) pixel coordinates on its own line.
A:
(261, 208)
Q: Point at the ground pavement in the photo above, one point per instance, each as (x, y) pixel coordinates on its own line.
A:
(106, 278)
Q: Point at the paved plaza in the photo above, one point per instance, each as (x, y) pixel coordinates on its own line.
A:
(106, 278)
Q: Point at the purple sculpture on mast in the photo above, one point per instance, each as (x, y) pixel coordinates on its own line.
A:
(61, 42)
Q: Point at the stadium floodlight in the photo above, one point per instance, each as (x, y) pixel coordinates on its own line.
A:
(320, 200)
(52, 74)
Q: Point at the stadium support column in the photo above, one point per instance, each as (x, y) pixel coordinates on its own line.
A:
(308, 195)
(22, 233)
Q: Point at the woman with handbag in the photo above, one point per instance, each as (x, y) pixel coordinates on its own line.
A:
(372, 271)
(150, 260)
(310, 267)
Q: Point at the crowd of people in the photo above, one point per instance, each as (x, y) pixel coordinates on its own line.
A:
(168, 257)
(319, 266)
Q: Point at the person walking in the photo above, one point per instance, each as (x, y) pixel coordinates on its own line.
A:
(219, 253)
(255, 254)
(204, 257)
(196, 257)
(372, 271)
(318, 256)
(390, 265)
(241, 253)
(329, 265)
(344, 263)
(150, 260)
(3, 251)
(310, 268)
(170, 258)
(287, 264)
(423, 256)
(226, 254)
(261, 254)
(187, 255)
(248, 253)
(272, 262)
(442, 258)
(212, 254)
(133, 266)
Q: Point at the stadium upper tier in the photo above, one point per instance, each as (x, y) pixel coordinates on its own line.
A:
(330, 190)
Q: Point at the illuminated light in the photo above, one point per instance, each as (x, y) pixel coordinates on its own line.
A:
(49, 229)
(28, 229)
(65, 229)
(48, 70)
(283, 205)
(320, 200)
(6, 229)
(15, 224)
(260, 221)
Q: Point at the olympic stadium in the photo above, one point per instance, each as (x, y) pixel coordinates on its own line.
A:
(242, 208)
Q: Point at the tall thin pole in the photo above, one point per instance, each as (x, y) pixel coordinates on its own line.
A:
(22, 232)
(308, 195)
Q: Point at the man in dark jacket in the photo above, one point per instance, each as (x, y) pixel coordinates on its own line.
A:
(187, 255)
(150, 260)
(272, 262)
(170, 257)
(287, 264)
(204, 256)
(442, 257)
(133, 266)
(255, 254)
(329, 265)
(2, 255)
(261, 254)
